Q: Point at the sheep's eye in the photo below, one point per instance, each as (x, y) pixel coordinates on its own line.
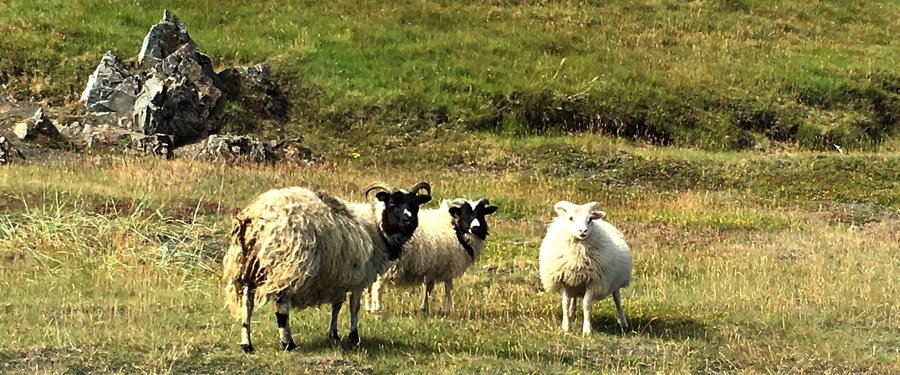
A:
(571, 218)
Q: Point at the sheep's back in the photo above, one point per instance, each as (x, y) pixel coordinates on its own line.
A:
(308, 245)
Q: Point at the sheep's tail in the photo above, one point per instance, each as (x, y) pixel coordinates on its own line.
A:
(239, 266)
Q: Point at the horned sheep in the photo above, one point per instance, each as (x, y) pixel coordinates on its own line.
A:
(584, 256)
(302, 248)
(447, 242)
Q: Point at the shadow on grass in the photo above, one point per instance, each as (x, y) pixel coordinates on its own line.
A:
(663, 328)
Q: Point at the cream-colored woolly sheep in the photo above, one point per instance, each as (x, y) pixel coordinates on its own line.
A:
(448, 241)
(302, 248)
(583, 255)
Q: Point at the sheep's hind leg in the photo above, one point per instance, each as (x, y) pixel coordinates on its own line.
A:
(620, 314)
(332, 329)
(246, 344)
(429, 286)
(353, 337)
(282, 318)
(448, 297)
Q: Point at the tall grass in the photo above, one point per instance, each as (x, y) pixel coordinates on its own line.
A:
(107, 271)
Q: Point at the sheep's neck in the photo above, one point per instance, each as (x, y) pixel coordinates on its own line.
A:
(460, 236)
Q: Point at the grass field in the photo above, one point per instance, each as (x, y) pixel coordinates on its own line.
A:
(743, 264)
(704, 128)
(715, 74)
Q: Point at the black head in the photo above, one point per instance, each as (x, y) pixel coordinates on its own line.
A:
(400, 217)
(469, 216)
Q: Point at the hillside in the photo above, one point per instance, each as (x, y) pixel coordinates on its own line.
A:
(726, 74)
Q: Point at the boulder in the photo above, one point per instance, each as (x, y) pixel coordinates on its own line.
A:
(164, 38)
(7, 152)
(111, 87)
(36, 127)
(232, 148)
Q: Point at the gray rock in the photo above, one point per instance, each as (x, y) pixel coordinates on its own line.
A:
(7, 152)
(110, 87)
(181, 97)
(232, 148)
(38, 126)
(164, 38)
(156, 145)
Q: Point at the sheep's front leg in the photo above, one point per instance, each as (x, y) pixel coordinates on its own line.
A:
(620, 314)
(246, 344)
(332, 329)
(282, 318)
(429, 286)
(586, 309)
(373, 297)
(566, 306)
(448, 297)
(353, 337)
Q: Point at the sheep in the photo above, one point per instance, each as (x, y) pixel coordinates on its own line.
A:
(449, 240)
(302, 248)
(583, 255)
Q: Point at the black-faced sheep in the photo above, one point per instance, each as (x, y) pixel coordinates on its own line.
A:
(583, 255)
(301, 248)
(448, 241)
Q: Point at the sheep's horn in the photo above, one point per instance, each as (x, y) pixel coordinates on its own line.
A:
(422, 185)
(375, 186)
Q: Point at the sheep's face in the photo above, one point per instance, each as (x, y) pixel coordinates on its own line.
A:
(579, 217)
(400, 217)
(469, 217)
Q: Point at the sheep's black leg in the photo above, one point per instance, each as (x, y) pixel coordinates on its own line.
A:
(429, 286)
(282, 318)
(332, 330)
(448, 297)
(353, 337)
(246, 344)
(620, 314)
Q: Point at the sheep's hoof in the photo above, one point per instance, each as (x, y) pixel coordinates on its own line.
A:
(289, 345)
(353, 337)
(333, 335)
(247, 348)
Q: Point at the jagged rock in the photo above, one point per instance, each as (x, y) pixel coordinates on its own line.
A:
(8, 152)
(230, 148)
(180, 98)
(111, 87)
(164, 38)
(156, 145)
(38, 126)
(253, 87)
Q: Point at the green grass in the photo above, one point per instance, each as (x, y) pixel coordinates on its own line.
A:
(713, 74)
(109, 265)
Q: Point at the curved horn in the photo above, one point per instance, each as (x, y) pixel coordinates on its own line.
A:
(422, 185)
(375, 186)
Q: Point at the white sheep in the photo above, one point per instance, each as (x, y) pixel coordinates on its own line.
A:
(583, 255)
(302, 248)
(447, 242)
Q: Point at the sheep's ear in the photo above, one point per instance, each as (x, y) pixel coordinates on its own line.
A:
(562, 207)
(422, 199)
(382, 196)
(490, 209)
(597, 215)
(454, 211)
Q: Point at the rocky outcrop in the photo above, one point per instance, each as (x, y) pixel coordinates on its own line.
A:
(233, 148)
(8, 153)
(38, 127)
